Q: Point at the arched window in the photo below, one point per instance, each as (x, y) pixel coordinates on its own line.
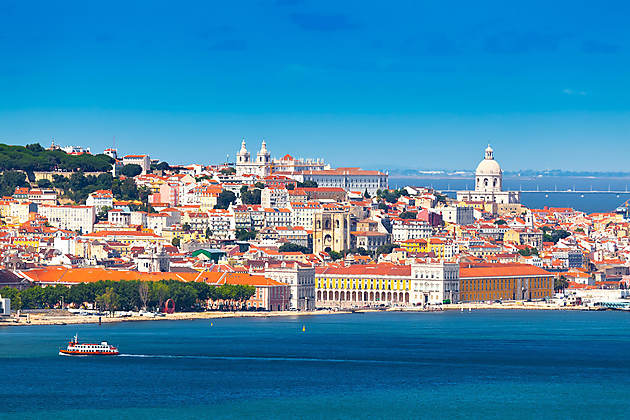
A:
(319, 224)
(485, 182)
(337, 224)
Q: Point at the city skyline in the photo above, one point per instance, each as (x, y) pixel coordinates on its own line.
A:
(353, 84)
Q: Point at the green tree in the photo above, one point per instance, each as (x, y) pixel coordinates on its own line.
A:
(131, 170)
(386, 248)
(560, 283)
(10, 180)
(109, 300)
(224, 199)
(44, 183)
(176, 242)
(14, 295)
(291, 247)
(228, 171)
(408, 215)
(245, 234)
(307, 184)
(160, 293)
(163, 166)
(334, 255)
(528, 251)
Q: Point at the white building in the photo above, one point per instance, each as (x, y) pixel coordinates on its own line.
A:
(154, 260)
(261, 166)
(5, 306)
(118, 217)
(303, 214)
(404, 229)
(277, 217)
(274, 197)
(76, 218)
(434, 282)
(458, 215)
(222, 224)
(292, 165)
(76, 150)
(350, 179)
(42, 196)
(18, 212)
(143, 160)
(300, 278)
(111, 152)
(138, 218)
(489, 183)
(100, 199)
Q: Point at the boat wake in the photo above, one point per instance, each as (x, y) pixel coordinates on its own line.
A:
(271, 359)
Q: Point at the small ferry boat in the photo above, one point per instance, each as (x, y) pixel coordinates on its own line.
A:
(86, 349)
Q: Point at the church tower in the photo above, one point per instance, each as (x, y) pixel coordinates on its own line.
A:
(263, 156)
(242, 157)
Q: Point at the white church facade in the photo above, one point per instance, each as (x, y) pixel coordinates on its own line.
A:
(245, 165)
(489, 184)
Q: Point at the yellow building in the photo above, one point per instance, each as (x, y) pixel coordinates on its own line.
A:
(362, 284)
(512, 236)
(435, 245)
(481, 282)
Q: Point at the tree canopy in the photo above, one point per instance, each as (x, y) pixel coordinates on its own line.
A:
(128, 295)
(34, 157)
(291, 247)
(224, 200)
(131, 170)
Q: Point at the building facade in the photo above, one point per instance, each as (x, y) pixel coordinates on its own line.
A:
(350, 179)
(482, 282)
(76, 218)
(331, 231)
(489, 183)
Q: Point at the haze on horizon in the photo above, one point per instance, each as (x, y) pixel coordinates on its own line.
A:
(424, 86)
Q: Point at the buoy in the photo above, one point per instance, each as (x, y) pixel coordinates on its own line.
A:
(303, 328)
(211, 324)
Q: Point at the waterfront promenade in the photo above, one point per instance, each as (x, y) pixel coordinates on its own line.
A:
(58, 317)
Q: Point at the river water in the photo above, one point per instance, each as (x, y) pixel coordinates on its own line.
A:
(550, 191)
(480, 364)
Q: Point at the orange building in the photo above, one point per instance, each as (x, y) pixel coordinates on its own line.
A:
(485, 281)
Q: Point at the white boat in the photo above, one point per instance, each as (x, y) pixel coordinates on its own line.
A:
(88, 349)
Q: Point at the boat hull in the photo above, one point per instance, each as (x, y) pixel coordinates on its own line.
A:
(82, 353)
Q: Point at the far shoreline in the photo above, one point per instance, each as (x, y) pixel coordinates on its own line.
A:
(72, 319)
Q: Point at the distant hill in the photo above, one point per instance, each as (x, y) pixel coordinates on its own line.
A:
(34, 157)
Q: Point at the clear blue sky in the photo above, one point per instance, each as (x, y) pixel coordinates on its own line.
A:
(378, 84)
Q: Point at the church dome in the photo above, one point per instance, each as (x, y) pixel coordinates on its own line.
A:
(489, 166)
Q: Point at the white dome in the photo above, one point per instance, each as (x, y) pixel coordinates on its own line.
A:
(488, 167)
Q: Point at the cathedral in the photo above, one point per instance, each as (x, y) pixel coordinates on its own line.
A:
(489, 183)
(261, 166)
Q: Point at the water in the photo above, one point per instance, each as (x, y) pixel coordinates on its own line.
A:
(480, 364)
(587, 202)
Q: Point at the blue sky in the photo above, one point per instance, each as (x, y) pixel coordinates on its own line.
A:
(377, 84)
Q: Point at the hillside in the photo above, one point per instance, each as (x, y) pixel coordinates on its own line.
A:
(34, 157)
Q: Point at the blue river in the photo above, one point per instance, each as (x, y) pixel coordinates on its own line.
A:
(546, 191)
(480, 364)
